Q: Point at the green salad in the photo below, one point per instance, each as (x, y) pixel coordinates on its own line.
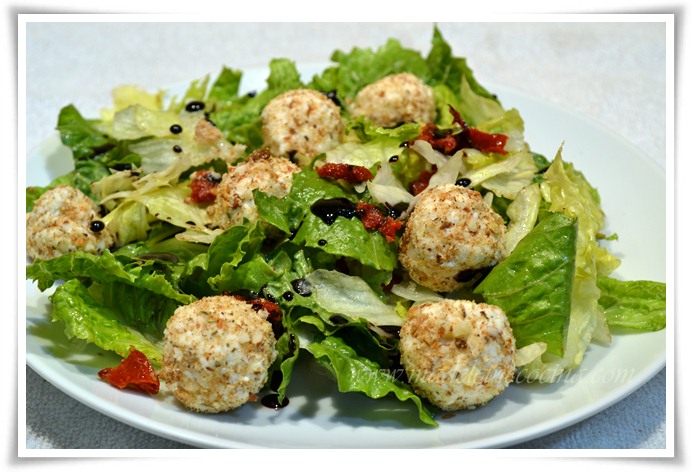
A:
(324, 252)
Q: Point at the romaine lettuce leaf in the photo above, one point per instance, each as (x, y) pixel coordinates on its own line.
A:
(239, 117)
(348, 238)
(344, 237)
(362, 66)
(354, 373)
(571, 193)
(445, 68)
(533, 284)
(106, 268)
(84, 318)
(639, 305)
(93, 154)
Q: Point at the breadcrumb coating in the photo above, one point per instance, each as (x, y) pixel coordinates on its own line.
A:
(261, 171)
(217, 352)
(457, 353)
(395, 99)
(301, 124)
(451, 233)
(61, 223)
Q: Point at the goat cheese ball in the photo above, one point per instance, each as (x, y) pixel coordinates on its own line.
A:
(395, 99)
(261, 171)
(457, 353)
(65, 220)
(301, 124)
(217, 352)
(450, 235)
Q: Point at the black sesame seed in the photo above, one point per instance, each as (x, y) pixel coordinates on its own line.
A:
(97, 226)
(251, 94)
(176, 129)
(393, 159)
(322, 242)
(463, 182)
(194, 106)
(177, 148)
(288, 296)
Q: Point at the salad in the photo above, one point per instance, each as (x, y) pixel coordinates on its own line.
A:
(206, 200)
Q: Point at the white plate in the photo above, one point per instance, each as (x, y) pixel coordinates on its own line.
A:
(632, 188)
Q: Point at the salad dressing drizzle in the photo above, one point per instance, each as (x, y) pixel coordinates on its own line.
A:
(329, 209)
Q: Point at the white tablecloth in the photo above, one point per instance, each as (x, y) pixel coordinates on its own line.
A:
(613, 73)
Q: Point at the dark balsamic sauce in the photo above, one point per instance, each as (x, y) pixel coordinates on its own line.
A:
(194, 106)
(302, 287)
(330, 209)
(271, 401)
(97, 226)
(338, 319)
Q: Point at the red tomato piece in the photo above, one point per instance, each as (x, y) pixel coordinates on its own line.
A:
(135, 372)
(203, 187)
(350, 173)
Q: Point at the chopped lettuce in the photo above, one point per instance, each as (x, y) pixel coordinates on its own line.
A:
(350, 296)
(522, 212)
(355, 373)
(639, 305)
(106, 268)
(87, 319)
(570, 192)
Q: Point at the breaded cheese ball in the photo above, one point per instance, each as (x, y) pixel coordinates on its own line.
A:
(65, 220)
(450, 235)
(216, 353)
(301, 124)
(261, 171)
(457, 353)
(395, 99)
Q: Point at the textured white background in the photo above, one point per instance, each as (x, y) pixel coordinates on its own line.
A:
(611, 72)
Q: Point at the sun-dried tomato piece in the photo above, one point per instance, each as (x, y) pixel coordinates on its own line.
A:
(350, 173)
(448, 143)
(275, 315)
(203, 185)
(134, 372)
(389, 227)
(441, 141)
(421, 183)
(374, 219)
(487, 142)
(370, 215)
(274, 310)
